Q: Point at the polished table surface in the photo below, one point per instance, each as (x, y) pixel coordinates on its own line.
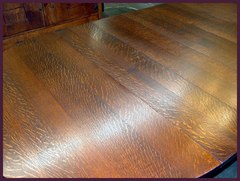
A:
(151, 93)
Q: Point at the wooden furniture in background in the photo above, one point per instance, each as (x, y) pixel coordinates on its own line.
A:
(23, 20)
(21, 17)
(151, 93)
(56, 13)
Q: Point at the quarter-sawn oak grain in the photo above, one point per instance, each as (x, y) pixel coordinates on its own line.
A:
(150, 93)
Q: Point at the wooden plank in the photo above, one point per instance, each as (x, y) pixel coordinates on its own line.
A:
(215, 9)
(50, 138)
(191, 36)
(169, 105)
(125, 96)
(223, 29)
(116, 132)
(199, 30)
(150, 46)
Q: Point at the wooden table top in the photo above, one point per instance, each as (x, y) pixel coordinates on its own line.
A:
(151, 93)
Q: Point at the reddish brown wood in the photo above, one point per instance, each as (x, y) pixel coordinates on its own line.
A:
(56, 13)
(133, 95)
(12, 40)
(20, 17)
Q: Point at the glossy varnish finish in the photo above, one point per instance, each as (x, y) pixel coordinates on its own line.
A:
(145, 94)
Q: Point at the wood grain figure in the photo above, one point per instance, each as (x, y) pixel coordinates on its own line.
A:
(151, 93)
